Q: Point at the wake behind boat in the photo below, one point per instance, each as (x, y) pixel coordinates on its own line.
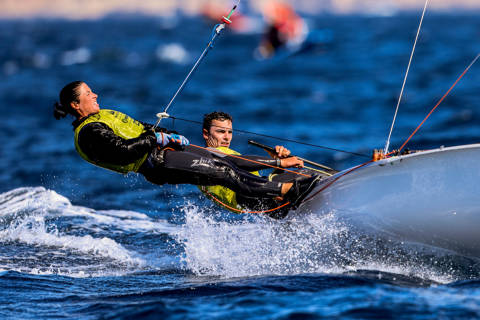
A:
(429, 197)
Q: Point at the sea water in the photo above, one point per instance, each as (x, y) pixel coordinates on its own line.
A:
(80, 242)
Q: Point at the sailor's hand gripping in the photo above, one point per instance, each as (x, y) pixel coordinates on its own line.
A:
(164, 139)
(286, 161)
(291, 162)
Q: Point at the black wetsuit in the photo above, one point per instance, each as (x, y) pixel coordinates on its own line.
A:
(190, 165)
(258, 203)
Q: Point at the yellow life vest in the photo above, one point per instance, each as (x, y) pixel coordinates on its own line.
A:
(124, 127)
(223, 194)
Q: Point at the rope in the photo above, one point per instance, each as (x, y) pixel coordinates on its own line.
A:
(244, 211)
(319, 171)
(405, 79)
(334, 180)
(439, 102)
(215, 32)
(281, 139)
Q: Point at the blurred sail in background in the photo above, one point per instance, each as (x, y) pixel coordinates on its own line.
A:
(92, 9)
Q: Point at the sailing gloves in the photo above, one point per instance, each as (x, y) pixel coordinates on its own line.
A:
(164, 139)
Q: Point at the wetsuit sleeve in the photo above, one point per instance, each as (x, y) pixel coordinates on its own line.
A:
(100, 143)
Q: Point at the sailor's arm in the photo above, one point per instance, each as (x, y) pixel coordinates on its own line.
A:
(100, 143)
(281, 158)
(255, 163)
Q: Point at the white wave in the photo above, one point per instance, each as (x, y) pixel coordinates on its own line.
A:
(77, 56)
(173, 52)
(129, 221)
(250, 246)
(29, 201)
(34, 231)
(67, 234)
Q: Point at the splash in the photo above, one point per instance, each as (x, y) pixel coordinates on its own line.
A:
(258, 247)
(301, 245)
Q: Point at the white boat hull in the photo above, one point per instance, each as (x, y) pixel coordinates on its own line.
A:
(430, 197)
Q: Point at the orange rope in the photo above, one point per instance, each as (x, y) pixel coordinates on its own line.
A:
(243, 211)
(438, 103)
(334, 180)
(239, 157)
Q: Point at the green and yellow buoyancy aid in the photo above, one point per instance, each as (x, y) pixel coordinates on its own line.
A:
(124, 127)
(223, 194)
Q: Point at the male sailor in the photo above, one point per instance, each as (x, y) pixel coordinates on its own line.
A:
(218, 133)
(115, 141)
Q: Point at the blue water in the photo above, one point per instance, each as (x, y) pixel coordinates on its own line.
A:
(79, 242)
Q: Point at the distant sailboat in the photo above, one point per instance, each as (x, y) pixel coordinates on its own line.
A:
(285, 32)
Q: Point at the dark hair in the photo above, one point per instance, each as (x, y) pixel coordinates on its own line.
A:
(67, 95)
(216, 115)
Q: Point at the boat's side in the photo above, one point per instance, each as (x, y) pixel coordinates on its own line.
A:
(431, 197)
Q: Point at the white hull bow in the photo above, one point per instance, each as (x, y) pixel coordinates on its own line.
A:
(430, 197)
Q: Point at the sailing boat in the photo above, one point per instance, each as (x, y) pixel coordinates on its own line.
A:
(429, 197)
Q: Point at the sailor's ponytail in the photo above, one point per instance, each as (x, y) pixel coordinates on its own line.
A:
(68, 95)
(59, 111)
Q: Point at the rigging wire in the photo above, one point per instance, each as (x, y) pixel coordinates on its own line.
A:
(332, 181)
(440, 101)
(387, 144)
(217, 29)
(281, 139)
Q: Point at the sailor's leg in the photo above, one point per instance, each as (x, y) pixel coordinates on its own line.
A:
(288, 176)
(193, 168)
